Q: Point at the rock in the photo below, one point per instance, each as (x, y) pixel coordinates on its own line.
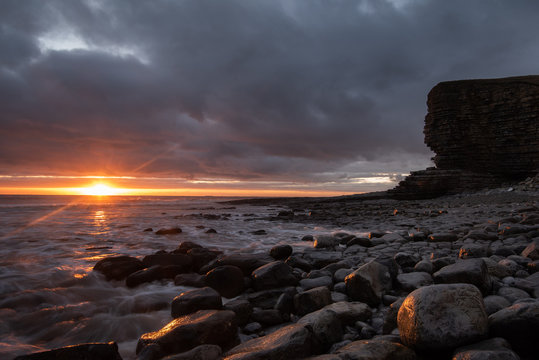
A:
(169, 231)
(361, 241)
(269, 316)
(91, 351)
(191, 301)
(201, 257)
(185, 246)
(439, 317)
(290, 342)
(496, 269)
(442, 237)
(259, 232)
(413, 280)
(376, 350)
(191, 279)
(512, 294)
(494, 303)
(273, 275)
(470, 271)
(491, 349)
(145, 275)
(267, 299)
(470, 251)
(246, 262)
(350, 312)
(326, 326)
(325, 241)
(368, 283)
(532, 250)
(390, 320)
(405, 259)
(298, 262)
(252, 328)
(210, 231)
(307, 238)
(424, 266)
(217, 327)
(341, 274)
(242, 308)
(226, 279)
(519, 324)
(510, 265)
(308, 284)
(181, 260)
(202, 352)
(312, 300)
(281, 252)
(118, 267)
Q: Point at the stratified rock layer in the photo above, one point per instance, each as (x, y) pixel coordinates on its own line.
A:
(484, 133)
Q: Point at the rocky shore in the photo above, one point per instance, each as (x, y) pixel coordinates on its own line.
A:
(448, 278)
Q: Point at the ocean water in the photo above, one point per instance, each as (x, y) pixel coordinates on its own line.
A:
(49, 295)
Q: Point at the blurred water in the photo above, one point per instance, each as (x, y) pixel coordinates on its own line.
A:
(49, 297)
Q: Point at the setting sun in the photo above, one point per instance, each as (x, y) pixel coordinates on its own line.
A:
(101, 190)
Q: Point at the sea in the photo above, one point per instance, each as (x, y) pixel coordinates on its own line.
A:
(49, 295)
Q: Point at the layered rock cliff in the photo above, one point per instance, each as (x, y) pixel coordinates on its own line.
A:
(484, 133)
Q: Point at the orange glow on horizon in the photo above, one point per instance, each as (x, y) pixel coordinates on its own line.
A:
(102, 189)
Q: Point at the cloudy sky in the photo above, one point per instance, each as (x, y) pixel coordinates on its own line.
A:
(251, 94)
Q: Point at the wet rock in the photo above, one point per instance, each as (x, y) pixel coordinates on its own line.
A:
(494, 303)
(326, 326)
(202, 352)
(439, 317)
(91, 351)
(217, 327)
(290, 342)
(118, 267)
(226, 279)
(191, 301)
(145, 275)
(201, 257)
(368, 283)
(266, 299)
(185, 246)
(442, 237)
(169, 231)
(413, 280)
(350, 312)
(308, 284)
(242, 308)
(312, 300)
(361, 241)
(281, 252)
(190, 279)
(298, 262)
(273, 275)
(325, 241)
(442, 262)
(148, 229)
(376, 350)
(181, 260)
(470, 271)
(519, 324)
(307, 238)
(246, 262)
(470, 251)
(491, 349)
(532, 250)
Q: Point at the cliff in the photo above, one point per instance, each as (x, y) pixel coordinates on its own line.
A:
(484, 133)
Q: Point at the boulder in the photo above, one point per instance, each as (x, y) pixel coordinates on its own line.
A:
(165, 259)
(491, 349)
(242, 308)
(201, 257)
(246, 262)
(290, 342)
(376, 350)
(217, 327)
(519, 324)
(226, 279)
(169, 231)
(281, 252)
(308, 284)
(442, 237)
(512, 294)
(470, 271)
(269, 316)
(326, 326)
(470, 251)
(118, 267)
(441, 317)
(190, 279)
(92, 351)
(368, 283)
(312, 300)
(199, 299)
(325, 241)
(202, 352)
(532, 250)
(413, 280)
(145, 275)
(494, 303)
(273, 275)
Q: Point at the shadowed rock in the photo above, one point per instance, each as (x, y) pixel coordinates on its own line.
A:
(376, 350)
(470, 271)
(273, 275)
(368, 283)
(200, 299)
(94, 351)
(226, 279)
(118, 267)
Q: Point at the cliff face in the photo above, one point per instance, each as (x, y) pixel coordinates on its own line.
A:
(484, 133)
(485, 126)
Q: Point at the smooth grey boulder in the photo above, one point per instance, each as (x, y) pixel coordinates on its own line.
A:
(470, 271)
(312, 300)
(226, 279)
(368, 283)
(413, 280)
(289, 342)
(405, 259)
(350, 312)
(424, 266)
(494, 303)
(217, 327)
(193, 300)
(326, 326)
(91, 351)
(273, 275)
(202, 352)
(519, 324)
(512, 294)
(491, 349)
(376, 350)
(441, 317)
(308, 284)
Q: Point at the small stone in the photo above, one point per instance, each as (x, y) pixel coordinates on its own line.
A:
(308, 284)
(190, 279)
(268, 316)
(491, 349)
(327, 328)
(470, 251)
(405, 259)
(201, 352)
(512, 294)
(144, 276)
(350, 312)
(169, 231)
(242, 308)
(424, 266)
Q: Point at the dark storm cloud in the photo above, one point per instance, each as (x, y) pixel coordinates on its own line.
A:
(287, 90)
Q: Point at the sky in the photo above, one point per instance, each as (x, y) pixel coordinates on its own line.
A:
(250, 97)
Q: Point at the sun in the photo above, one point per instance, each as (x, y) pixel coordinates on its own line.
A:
(100, 189)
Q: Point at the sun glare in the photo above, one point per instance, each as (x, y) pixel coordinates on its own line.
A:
(100, 190)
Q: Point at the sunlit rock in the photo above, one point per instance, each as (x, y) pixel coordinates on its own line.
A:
(441, 317)
(491, 349)
(376, 350)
